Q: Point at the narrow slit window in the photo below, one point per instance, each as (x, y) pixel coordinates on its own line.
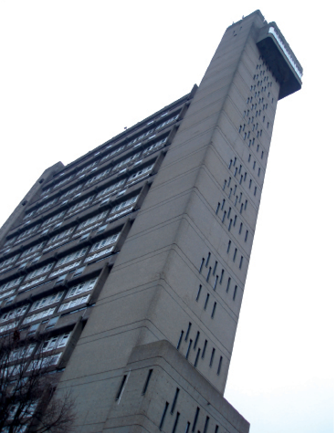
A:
(180, 340)
(187, 427)
(209, 273)
(197, 357)
(246, 203)
(235, 220)
(228, 284)
(213, 310)
(176, 422)
(223, 202)
(174, 400)
(241, 260)
(204, 348)
(206, 301)
(255, 190)
(235, 292)
(188, 349)
(188, 332)
(199, 292)
(218, 206)
(215, 283)
(201, 267)
(246, 235)
(163, 416)
(221, 276)
(219, 365)
(228, 246)
(215, 268)
(229, 225)
(217, 429)
(195, 420)
(207, 260)
(240, 228)
(120, 389)
(212, 356)
(235, 254)
(224, 215)
(229, 212)
(206, 425)
(196, 339)
(147, 381)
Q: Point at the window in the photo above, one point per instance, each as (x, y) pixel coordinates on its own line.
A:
(104, 242)
(80, 204)
(92, 220)
(124, 204)
(46, 301)
(53, 218)
(235, 292)
(147, 381)
(17, 312)
(45, 362)
(56, 342)
(213, 310)
(70, 257)
(212, 356)
(37, 316)
(81, 288)
(9, 261)
(61, 235)
(219, 365)
(163, 416)
(97, 177)
(39, 271)
(188, 331)
(110, 188)
(74, 303)
(199, 292)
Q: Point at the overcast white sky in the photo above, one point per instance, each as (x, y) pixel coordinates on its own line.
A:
(75, 73)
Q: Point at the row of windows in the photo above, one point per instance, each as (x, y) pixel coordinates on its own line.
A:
(46, 226)
(187, 426)
(199, 353)
(53, 343)
(97, 178)
(91, 166)
(84, 203)
(54, 299)
(219, 278)
(98, 249)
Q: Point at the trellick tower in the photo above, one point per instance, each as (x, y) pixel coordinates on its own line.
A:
(155, 351)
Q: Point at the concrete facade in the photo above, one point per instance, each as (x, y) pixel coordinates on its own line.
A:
(159, 326)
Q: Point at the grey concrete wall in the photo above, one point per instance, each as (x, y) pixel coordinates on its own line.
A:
(151, 295)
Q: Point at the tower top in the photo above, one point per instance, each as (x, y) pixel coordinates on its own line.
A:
(276, 52)
(280, 58)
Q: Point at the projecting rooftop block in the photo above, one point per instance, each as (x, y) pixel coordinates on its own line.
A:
(280, 58)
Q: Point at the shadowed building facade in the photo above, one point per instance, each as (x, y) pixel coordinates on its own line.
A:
(133, 258)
